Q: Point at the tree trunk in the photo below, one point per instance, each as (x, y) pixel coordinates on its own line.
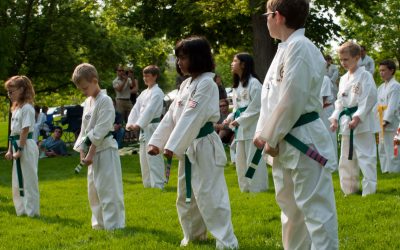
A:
(264, 47)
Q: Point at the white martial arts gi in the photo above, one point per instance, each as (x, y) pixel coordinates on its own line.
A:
(304, 189)
(328, 108)
(389, 100)
(249, 97)
(332, 72)
(147, 110)
(358, 90)
(196, 104)
(29, 204)
(368, 63)
(104, 177)
(39, 125)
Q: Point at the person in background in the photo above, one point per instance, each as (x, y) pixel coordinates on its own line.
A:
(224, 132)
(122, 85)
(40, 123)
(221, 90)
(145, 117)
(355, 111)
(366, 61)
(332, 72)
(119, 130)
(246, 110)
(134, 86)
(53, 145)
(22, 148)
(388, 116)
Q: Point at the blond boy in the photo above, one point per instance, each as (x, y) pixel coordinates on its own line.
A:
(104, 177)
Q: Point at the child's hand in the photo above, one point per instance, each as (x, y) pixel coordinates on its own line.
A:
(9, 155)
(354, 122)
(168, 153)
(88, 160)
(153, 150)
(226, 122)
(259, 143)
(17, 155)
(234, 124)
(270, 150)
(334, 125)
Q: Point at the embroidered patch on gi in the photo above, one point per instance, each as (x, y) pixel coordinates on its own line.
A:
(281, 72)
(245, 94)
(88, 116)
(356, 88)
(192, 103)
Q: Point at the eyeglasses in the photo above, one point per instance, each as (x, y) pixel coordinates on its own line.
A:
(120, 70)
(269, 13)
(221, 106)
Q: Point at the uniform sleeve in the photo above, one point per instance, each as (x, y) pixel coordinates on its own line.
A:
(252, 112)
(135, 111)
(296, 84)
(27, 116)
(105, 118)
(153, 105)
(326, 87)
(164, 128)
(192, 118)
(338, 104)
(393, 103)
(368, 97)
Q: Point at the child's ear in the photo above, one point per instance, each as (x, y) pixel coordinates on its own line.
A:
(279, 18)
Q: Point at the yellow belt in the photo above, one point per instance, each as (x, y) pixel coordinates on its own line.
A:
(381, 108)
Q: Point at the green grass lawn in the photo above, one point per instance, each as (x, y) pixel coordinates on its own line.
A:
(3, 135)
(372, 222)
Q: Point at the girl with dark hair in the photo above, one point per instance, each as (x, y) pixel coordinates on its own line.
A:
(246, 110)
(187, 131)
(22, 148)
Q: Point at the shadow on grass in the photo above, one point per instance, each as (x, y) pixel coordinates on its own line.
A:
(158, 233)
(59, 220)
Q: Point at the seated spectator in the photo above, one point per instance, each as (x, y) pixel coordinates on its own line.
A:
(73, 118)
(119, 130)
(53, 146)
(224, 132)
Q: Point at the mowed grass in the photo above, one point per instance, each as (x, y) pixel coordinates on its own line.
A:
(3, 135)
(372, 222)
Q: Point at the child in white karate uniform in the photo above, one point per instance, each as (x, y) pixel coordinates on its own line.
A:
(246, 110)
(104, 177)
(388, 116)
(22, 148)
(145, 117)
(355, 110)
(290, 104)
(187, 131)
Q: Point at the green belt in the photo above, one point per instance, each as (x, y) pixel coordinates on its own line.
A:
(89, 143)
(13, 139)
(313, 154)
(349, 112)
(208, 128)
(155, 120)
(236, 115)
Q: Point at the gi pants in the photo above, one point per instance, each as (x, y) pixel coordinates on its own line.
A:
(29, 204)
(105, 192)
(209, 207)
(364, 158)
(305, 196)
(152, 167)
(389, 162)
(245, 150)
